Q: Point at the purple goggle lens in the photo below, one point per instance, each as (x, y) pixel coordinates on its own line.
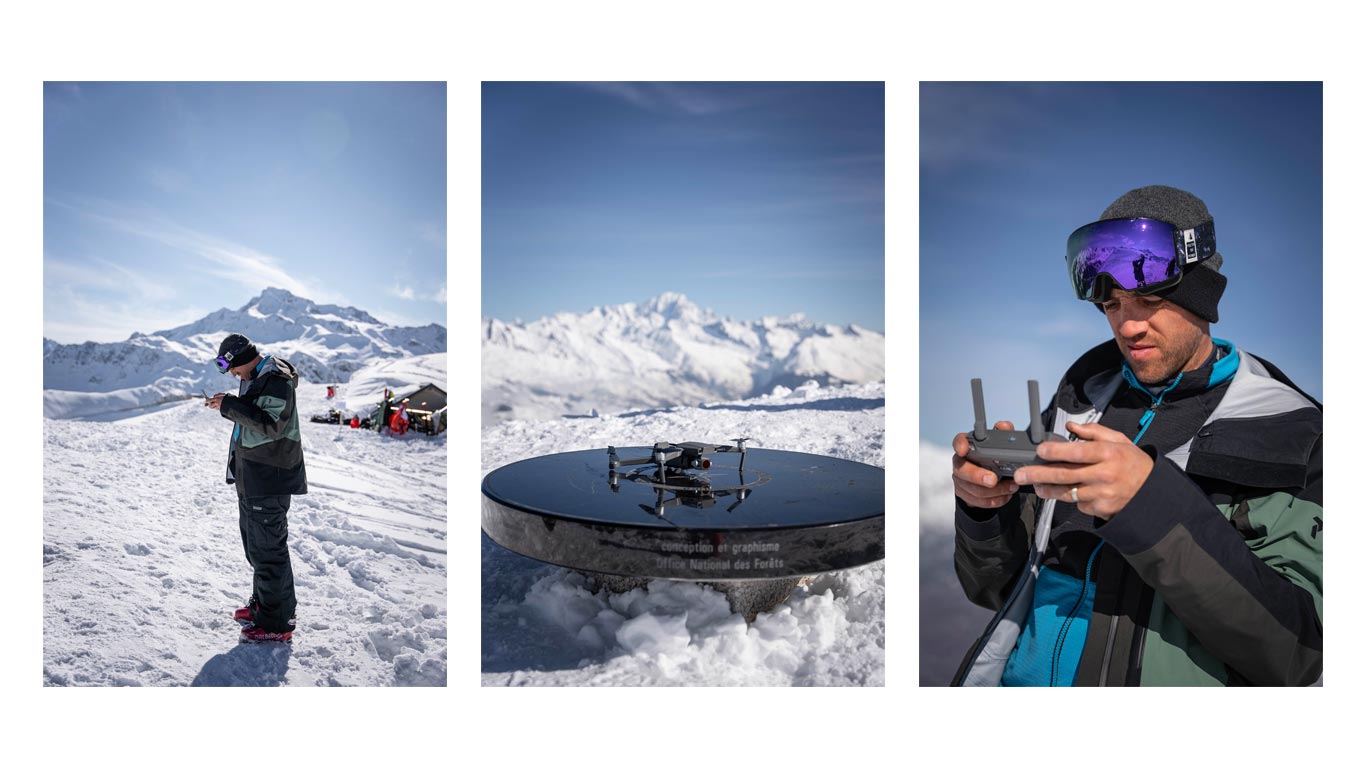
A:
(1140, 255)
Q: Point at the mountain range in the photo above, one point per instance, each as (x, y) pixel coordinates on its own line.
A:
(325, 342)
(665, 352)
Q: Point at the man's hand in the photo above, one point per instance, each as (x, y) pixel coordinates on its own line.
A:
(1107, 469)
(976, 486)
(216, 401)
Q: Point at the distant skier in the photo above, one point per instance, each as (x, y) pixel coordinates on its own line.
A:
(399, 423)
(331, 391)
(266, 463)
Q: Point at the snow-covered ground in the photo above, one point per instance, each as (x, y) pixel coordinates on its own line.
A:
(143, 563)
(543, 626)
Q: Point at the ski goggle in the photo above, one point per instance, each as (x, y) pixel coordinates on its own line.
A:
(224, 361)
(1139, 255)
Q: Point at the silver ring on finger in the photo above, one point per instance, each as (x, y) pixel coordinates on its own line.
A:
(1074, 495)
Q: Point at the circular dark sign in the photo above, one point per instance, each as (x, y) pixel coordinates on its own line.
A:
(762, 514)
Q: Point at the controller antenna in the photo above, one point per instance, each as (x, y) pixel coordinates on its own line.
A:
(979, 412)
(1035, 416)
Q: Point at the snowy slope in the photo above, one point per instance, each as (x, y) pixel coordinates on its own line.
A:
(665, 352)
(542, 625)
(326, 343)
(143, 563)
(401, 375)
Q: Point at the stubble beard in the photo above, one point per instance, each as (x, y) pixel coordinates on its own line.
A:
(1173, 357)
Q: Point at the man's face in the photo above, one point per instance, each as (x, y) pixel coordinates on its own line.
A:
(1158, 338)
(242, 371)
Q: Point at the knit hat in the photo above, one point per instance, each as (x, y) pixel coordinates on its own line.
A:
(1202, 284)
(240, 347)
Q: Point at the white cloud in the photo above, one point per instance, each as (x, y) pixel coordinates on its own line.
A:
(69, 318)
(674, 97)
(102, 274)
(235, 262)
(407, 293)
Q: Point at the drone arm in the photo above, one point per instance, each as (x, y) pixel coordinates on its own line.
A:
(632, 462)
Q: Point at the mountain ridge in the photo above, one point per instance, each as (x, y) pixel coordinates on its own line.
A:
(662, 352)
(325, 343)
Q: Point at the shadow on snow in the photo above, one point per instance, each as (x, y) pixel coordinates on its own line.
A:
(247, 666)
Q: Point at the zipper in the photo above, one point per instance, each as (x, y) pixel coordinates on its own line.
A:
(1145, 607)
(1147, 417)
(1109, 650)
(1108, 655)
(1071, 617)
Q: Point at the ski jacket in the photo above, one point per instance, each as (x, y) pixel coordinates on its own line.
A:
(1211, 575)
(265, 455)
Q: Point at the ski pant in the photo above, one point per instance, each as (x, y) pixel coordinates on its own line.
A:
(264, 521)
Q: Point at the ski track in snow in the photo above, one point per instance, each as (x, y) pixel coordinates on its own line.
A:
(544, 625)
(143, 563)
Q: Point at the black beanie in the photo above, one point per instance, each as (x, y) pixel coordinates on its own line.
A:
(1201, 285)
(241, 348)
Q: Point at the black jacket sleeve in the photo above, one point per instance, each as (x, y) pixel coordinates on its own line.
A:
(990, 548)
(1251, 602)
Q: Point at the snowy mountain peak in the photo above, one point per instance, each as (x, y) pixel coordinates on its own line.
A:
(278, 301)
(674, 306)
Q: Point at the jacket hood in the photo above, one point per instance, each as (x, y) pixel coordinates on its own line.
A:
(279, 367)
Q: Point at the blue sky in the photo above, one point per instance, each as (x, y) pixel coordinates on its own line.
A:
(166, 201)
(750, 198)
(1008, 170)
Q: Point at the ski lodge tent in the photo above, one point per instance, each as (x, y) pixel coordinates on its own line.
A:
(426, 409)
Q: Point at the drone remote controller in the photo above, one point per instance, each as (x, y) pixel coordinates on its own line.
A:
(1002, 450)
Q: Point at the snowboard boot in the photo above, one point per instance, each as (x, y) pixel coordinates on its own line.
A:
(258, 635)
(243, 614)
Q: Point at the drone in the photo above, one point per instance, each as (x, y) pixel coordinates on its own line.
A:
(673, 465)
(680, 456)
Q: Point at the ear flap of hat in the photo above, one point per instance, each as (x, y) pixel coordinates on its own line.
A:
(1199, 291)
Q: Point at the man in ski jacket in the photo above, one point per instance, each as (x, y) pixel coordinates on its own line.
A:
(1177, 538)
(266, 463)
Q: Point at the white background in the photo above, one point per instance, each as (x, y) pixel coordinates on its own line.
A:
(464, 44)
